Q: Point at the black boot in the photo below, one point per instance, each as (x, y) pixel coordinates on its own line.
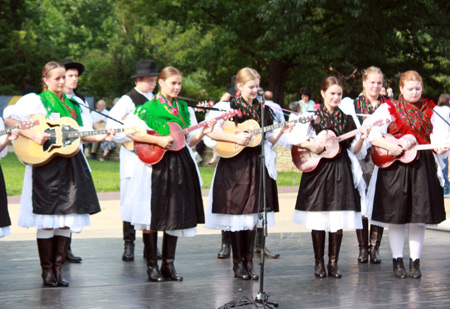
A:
(414, 269)
(129, 235)
(399, 268)
(70, 257)
(248, 246)
(168, 256)
(238, 264)
(267, 253)
(45, 249)
(376, 233)
(150, 240)
(158, 253)
(61, 244)
(334, 246)
(363, 241)
(318, 240)
(224, 252)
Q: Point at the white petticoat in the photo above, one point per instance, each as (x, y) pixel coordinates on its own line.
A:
(233, 223)
(27, 218)
(329, 221)
(4, 231)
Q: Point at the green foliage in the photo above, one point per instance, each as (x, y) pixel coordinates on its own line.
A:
(292, 43)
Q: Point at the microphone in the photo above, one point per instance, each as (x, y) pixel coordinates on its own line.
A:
(260, 92)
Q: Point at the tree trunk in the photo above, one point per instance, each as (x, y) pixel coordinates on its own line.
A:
(277, 72)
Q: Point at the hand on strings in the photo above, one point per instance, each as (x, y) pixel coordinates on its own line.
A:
(40, 138)
(395, 150)
(110, 135)
(407, 143)
(164, 141)
(243, 138)
(316, 148)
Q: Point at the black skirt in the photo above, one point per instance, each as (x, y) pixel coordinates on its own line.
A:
(409, 193)
(4, 214)
(64, 186)
(176, 201)
(237, 185)
(329, 187)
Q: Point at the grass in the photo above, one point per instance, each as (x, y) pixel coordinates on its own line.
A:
(106, 175)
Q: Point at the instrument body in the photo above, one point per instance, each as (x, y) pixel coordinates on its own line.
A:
(307, 161)
(64, 141)
(229, 149)
(153, 154)
(383, 159)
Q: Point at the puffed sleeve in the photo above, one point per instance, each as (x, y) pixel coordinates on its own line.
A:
(26, 106)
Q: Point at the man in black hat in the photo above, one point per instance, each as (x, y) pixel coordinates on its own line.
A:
(73, 72)
(145, 82)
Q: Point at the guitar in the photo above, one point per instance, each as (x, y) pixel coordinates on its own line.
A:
(64, 141)
(229, 149)
(383, 159)
(21, 126)
(307, 161)
(153, 154)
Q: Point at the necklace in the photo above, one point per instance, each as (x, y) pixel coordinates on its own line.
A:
(171, 107)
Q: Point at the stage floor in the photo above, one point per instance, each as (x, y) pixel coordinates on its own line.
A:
(103, 280)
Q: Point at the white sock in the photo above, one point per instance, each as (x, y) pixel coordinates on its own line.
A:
(397, 239)
(416, 237)
(62, 232)
(45, 234)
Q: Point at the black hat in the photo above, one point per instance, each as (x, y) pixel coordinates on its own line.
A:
(231, 88)
(69, 64)
(145, 68)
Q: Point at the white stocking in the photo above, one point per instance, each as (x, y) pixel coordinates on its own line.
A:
(397, 239)
(45, 234)
(416, 236)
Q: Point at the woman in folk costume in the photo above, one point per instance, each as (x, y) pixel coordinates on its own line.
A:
(329, 197)
(5, 221)
(167, 194)
(58, 197)
(408, 196)
(235, 197)
(365, 105)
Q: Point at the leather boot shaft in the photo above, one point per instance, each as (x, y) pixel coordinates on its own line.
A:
(376, 233)
(168, 256)
(150, 244)
(334, 246)
(61, 244)
(129, 236)
(318, 240)
(224, 252)
(363, 242)
(239, 269)
(248, 245)
(46, 256)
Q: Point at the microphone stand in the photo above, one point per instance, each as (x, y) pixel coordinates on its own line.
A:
(262, 297)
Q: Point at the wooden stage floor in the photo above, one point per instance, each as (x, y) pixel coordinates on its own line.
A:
(103, 280)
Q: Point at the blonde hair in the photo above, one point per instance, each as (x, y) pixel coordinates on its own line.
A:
(410, 76)
(246, 74)
(169, 72)
(371, 70)
(49, 66)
